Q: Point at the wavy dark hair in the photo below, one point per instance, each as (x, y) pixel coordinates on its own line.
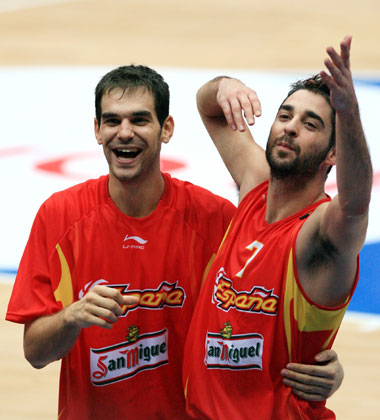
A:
(131, 78)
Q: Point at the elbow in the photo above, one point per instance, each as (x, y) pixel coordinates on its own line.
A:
(34, 350)
(38, 365)
(35, 355)
(34, 361)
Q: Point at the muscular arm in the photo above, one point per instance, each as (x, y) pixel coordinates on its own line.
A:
(341, 224)
(221, 103)
(49, 338)
(353, 162)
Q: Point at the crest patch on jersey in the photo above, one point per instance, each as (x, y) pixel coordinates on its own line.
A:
(227, 351)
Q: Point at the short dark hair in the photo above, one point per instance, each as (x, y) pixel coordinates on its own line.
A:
(315, 84)
(130, 78)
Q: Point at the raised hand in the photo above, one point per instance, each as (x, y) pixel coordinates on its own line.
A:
(342, 92)
(235, 98)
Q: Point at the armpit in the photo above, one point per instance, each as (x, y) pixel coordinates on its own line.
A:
(322, 253)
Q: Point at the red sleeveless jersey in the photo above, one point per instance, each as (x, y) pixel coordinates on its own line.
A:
(80, 239)
(251, 319)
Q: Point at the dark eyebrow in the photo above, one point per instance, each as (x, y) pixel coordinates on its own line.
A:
(309, 113)
(312, 114)
(286, 107)
(133, 114)
(142, 114)
(109, 115)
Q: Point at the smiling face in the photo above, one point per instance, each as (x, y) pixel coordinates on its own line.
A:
(299, 141)
(131, 135)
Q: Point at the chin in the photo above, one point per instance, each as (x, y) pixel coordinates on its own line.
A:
(123, 176)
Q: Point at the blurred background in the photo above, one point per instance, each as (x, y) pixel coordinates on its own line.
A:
(53, 53)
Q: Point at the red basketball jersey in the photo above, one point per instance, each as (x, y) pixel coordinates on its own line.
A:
(251, 319)
(80, 239)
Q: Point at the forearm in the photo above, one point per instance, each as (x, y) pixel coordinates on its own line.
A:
(207, 99)
(49, 338)
(226, 106)
(353, 165)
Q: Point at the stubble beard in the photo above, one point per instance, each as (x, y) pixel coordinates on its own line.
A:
(298, 169)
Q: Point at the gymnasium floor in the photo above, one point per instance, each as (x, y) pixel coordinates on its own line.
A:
(52, 53)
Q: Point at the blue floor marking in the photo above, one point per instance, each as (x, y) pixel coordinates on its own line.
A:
(367, 294)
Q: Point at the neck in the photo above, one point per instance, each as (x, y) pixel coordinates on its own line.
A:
(286, 197)
(135, 198)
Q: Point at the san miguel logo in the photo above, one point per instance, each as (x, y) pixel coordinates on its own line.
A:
(257, 300)
(124, 360)
(227, 351)
(167, 294)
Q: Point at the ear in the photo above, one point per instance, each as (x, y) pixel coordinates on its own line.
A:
(167, 129)
(331, 157)
(97, 131)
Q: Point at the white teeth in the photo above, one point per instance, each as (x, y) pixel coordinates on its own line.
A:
(127, 154)
(128, 150)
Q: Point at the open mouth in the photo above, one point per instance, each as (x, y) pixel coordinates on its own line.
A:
(125, 154)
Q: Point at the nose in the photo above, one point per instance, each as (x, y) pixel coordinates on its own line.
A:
(291, 127)
(125, 130)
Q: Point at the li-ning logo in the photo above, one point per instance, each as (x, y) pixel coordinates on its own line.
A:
(134, 242)
(258, 300)
(124, 360)
(227, 351)
(167, 294)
